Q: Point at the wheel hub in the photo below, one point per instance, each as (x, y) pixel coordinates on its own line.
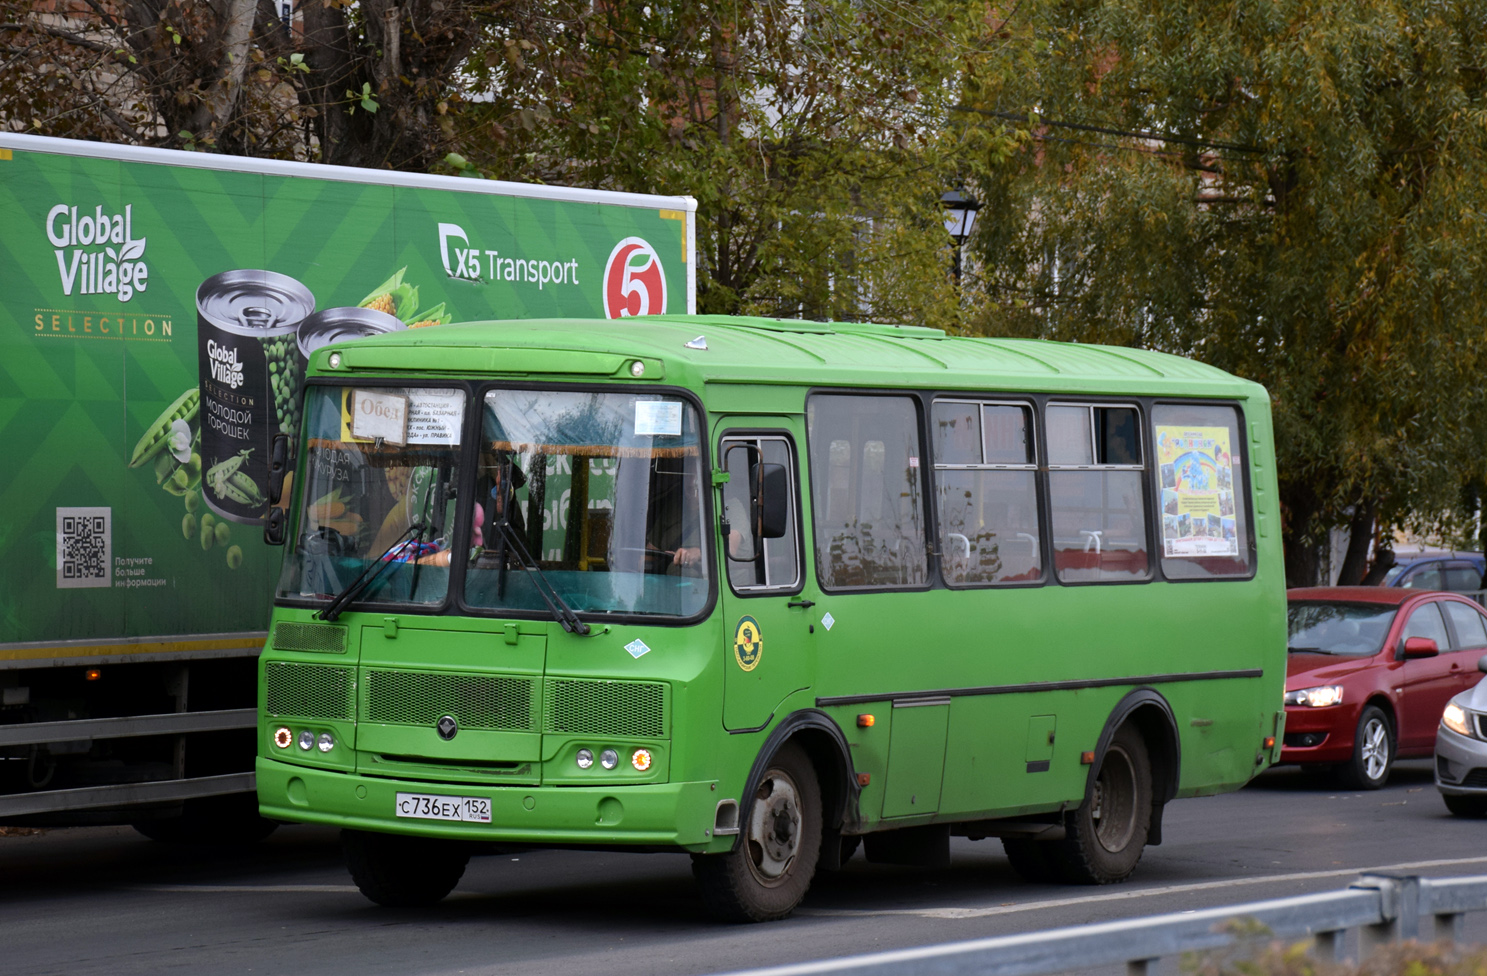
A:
(774, 828)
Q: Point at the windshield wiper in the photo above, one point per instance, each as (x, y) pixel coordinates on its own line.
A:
(1307, 650)
(334, 608)
(559, 609)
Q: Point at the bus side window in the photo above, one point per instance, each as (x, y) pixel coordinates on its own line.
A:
(986, 494)
(866, 491)
(1097, 496)
(778, 566)
(1204, 492)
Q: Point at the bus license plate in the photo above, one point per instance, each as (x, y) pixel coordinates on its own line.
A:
(469, 809)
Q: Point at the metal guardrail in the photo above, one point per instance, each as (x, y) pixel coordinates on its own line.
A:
(1383, 908)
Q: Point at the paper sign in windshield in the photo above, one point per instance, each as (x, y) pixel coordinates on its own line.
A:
(1197, 472)
(658, 418)
(435, 416)
(376, 415)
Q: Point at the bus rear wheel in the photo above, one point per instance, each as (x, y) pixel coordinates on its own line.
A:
(1107, 834)
(767, 874)
(403, 872)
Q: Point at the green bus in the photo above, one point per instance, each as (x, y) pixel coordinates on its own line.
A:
(764, 591)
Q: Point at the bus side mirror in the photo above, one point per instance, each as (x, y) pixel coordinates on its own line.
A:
(1482, 664)
(771, 491)
(273, 528)
(277, 466)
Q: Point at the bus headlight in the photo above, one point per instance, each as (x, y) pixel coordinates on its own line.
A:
(585, 758)
(307, 740)
(641, 760)
(283, 737)
(609, 759)
(1455, 719)
(326, 742)
(1315, 697)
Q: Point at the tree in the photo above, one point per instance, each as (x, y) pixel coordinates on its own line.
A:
(360, 84)
(1292, 191)
(817, 136)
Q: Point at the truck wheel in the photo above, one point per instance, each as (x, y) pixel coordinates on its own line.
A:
(1373, 752)
(403, 872)
(1466, 806)
(1108, 832)
(767, 874)
(1032, 860)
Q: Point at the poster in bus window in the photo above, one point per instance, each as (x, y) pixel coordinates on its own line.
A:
(1197, 471)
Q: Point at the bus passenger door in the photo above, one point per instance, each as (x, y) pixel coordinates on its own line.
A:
(766, 628)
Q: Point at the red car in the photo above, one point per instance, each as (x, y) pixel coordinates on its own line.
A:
(1370, 671)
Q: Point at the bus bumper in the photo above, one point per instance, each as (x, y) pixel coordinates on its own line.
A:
(678, 815)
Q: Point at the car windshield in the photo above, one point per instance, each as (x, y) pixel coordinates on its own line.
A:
(1347, 629)
(380, 476)
(602, 490)
(1391, 575)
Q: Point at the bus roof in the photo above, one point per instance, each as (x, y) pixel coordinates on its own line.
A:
(788, 351)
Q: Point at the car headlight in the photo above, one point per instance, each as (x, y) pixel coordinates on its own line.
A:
(1315, 697)
(1455, 719)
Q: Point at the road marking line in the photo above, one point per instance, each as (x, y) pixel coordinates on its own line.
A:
(226, 889)
(1134, 893)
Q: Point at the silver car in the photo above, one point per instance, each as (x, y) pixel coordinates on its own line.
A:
(1461, 751)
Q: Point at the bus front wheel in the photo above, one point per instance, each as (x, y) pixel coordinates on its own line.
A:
(1108, 832)
(403, 872)
(767, 874)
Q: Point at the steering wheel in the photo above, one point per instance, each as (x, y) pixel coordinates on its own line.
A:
(656, 560)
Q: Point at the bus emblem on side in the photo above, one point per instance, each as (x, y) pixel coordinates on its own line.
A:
(748, 643)
(447, 728)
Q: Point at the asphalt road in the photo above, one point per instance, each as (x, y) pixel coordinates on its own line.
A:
(106, 901)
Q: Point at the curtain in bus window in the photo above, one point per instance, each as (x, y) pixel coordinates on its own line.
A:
(1204, 494)
(865, 491)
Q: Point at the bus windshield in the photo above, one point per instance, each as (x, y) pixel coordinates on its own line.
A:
(597, 495)
(380, 476)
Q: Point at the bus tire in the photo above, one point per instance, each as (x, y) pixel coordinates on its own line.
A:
(403, 872)
(769, 871)
(1032, 859)
(1107, 834)
(1373, 752)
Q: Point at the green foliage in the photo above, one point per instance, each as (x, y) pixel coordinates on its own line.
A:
(1294, 191)
(817, 137)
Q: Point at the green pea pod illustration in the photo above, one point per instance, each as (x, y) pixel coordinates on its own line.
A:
(157, 435)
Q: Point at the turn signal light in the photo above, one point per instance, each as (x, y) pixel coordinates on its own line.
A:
(1086, 759)
(866, 721)
(641, 760)
(283, 737)
(864, 778)
(1270, 742)
(92, 674)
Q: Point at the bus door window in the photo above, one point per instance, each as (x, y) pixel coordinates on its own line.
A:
(1096, 491)
(756, 563)
(866, 494)
(986, 495)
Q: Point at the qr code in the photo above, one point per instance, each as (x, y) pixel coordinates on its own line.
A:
(85, 551)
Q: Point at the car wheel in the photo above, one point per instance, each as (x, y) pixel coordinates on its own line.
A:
(1373, 752)
(1466, 806)
(1107, 834)
(768, 873)
(403, 872)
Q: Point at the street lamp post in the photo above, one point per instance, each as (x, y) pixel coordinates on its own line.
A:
(960, 214)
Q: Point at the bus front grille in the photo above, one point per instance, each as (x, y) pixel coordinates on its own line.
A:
(587, 707)
(307, 690)
(491, 702)
(328, 638)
